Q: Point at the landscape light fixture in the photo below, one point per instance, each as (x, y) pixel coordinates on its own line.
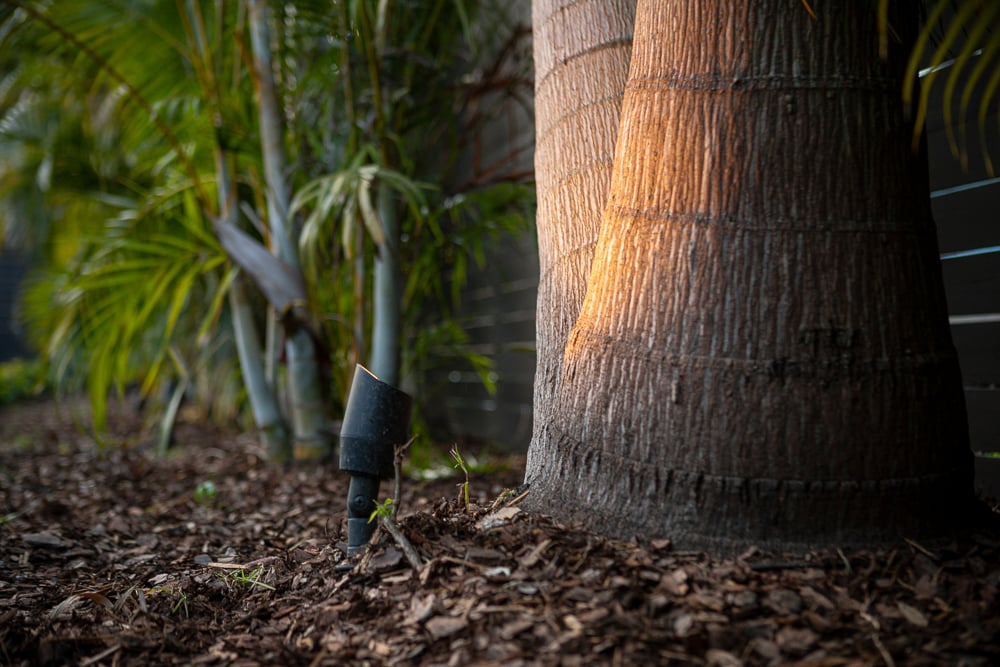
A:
(376, 421)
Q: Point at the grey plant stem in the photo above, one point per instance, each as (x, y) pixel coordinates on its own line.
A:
(303, 376)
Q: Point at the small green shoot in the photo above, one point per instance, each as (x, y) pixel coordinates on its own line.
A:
(205, 493)
(383, 509)
(182, 603)
(182, 598)
(461, 465)
(7, 518)
(22, 441)
(242, 579)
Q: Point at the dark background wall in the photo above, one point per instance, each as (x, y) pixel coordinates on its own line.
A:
(966, 205)
(498, 304)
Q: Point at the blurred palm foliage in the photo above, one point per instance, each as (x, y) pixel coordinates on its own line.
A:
(113, 114)
(958, 47)
(20, 379)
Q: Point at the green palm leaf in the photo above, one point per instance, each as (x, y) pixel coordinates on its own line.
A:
(970, 38)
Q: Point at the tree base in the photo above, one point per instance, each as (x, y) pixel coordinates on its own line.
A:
(726, 515)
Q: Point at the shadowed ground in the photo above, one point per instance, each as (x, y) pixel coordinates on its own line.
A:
(112, 558)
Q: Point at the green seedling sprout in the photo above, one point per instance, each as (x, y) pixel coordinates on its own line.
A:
(182, 603)
(205, 493)
(241, 578)
(383, 509)
(461, 465)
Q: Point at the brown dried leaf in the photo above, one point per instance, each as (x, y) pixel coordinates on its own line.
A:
(65, 608)
(817, 622)
(718, 658)
(706, 601)
(815, 599)
(481, 554)
(535, 554)
(386, 560)
(783, 601)
(573, 624)
(766, 649)
(379, 648)
(514, 628)
(660, 545)
(47, 540)
(445, 626)
(682, 624)
(594, 615)
(421, 608)
(913, 615)
(926, 588)
(795, 641)
(501, 517)
(675, 582)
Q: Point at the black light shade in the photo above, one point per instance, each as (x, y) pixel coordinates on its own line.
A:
(376, 420)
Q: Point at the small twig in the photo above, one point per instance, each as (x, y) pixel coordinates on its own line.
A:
(368, 551)
(397, 465)
(886, 656)
(847, 563)
(403, 542)
(876, 628)
(508, 497)
(242, 566)
(318, 660)
(925, 551)
(387, 518)
(518, 498)
(463, 563)
(772, 566)
(94, 659)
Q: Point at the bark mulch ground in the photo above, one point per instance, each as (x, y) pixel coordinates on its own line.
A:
(113, 557)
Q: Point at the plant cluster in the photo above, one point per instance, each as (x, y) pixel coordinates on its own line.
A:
(20, 379)
(136, 143)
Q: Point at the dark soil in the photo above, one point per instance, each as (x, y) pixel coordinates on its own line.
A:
(110, 557)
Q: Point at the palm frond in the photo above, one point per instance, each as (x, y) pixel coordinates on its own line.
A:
(967, 37)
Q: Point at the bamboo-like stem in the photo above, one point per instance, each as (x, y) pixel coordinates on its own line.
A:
(306, 396)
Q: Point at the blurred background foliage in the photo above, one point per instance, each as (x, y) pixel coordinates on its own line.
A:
(113, 115)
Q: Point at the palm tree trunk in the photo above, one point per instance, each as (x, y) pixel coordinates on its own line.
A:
(581, 51)
(305, 394)
(763, 353)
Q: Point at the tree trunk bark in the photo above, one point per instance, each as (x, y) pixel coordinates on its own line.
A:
(581, 51)
(763, 354)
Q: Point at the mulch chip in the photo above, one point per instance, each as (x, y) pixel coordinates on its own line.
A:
(106, 558)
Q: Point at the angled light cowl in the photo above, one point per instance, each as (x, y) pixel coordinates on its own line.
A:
(376, 420)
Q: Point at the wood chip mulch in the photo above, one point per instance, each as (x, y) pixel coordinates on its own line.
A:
(114, 557)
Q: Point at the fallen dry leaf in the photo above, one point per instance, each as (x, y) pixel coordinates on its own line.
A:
(421, 608)
(912, 614)
(445, 626)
